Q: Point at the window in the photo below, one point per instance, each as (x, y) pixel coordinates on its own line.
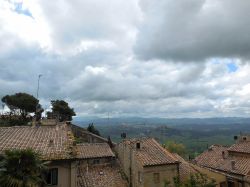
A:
(240, 184)
(138, 145)
(156, 178)
(96, 161)
(140, 177)
(52, 177)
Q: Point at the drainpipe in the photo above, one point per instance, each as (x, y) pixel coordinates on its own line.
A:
(130, 168)
(178, 169)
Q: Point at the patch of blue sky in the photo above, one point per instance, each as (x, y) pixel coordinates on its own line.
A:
(230, 64)
(232, 67)
(20, 10)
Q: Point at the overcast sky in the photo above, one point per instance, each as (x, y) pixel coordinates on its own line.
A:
(164, 58)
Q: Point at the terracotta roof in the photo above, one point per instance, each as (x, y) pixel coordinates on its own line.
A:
(94, 150)
(101, 176)
(52, 142)
(242, 165)
(241, 147)
(185, 167)
(213, 159)
(150, 152)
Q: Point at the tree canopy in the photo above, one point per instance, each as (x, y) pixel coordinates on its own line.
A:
(21, 168)
(62, 110)
(174, 147)
(91, 128)
(22, 103)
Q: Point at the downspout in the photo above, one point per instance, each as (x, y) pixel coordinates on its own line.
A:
(178, 169)
(130, 169)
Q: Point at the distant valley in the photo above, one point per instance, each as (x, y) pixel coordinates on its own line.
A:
(195, 133)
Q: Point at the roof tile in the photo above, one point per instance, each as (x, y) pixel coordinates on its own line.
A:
(51, 142)
(213, 159)
(94, 150)
(151, 152)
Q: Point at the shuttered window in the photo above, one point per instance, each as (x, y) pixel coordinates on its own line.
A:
(156, 178)
(52, 177)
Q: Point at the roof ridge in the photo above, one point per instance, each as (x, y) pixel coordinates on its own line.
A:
(103, 143)
(32, 127)
(219, 145)
(16, 126)
(165, 150)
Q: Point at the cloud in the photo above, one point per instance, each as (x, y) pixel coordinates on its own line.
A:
(90, 21)
(87, 52)
(193, 30)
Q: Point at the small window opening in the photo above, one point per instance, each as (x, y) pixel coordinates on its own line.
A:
(138, 145)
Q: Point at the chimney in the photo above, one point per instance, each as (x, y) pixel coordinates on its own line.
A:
(233, 164)
(223, 155)
(123, 135)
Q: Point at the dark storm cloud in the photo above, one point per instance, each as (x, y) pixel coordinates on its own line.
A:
(194, 30)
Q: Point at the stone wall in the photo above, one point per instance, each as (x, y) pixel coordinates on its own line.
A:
(217, 176)
(124, 155)
(133, 169)
(64, 173)
(85, 136)
(238, 154)
(48, 122)
(166, 174)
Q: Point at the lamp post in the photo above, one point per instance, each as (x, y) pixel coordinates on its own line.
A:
(38, 106)
(38, 82)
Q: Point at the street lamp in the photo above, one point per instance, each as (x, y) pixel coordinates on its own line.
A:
(38, 106)
(39, 76)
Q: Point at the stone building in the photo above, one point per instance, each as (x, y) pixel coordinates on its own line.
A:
(185, 168)
(147, 164)
(230, 166)
(71, 164)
